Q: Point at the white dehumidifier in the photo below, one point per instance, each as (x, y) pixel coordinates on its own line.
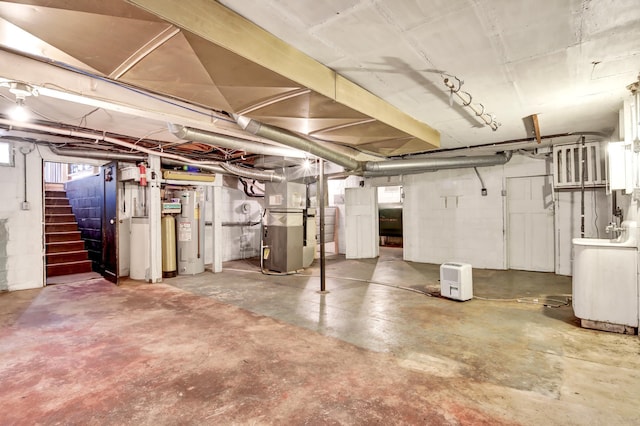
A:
(456, 281)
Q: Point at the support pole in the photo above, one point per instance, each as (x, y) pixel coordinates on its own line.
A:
(155, 213)
(321, 190)
(582, 173)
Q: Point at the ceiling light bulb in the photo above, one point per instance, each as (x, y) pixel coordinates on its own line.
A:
(19, 112)
(306, 164)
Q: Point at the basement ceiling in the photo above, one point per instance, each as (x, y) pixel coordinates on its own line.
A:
(567, 62)
(121, 42)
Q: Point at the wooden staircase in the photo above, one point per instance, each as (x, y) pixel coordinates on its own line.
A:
(65, 252)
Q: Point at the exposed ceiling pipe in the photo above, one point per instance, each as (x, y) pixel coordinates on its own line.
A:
(100, 155)
(292, 140)
(254, 174)
(370, 168)
(222, 168)
(507, 142)
(419, 165)
(214, 139)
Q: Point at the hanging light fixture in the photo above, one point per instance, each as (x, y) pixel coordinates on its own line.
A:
(21, 90)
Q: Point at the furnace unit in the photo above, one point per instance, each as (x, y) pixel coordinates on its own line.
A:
(283, 226)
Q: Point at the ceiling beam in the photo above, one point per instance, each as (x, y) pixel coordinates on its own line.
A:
(223, 27)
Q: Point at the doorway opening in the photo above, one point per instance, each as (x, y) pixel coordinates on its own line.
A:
(76, 199)
(390, 200)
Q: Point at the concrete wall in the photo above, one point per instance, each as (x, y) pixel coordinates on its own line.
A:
(21, 231)
(240, 241)
(567, 222)
(446, 217)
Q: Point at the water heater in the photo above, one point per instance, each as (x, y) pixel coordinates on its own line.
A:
(190, 232)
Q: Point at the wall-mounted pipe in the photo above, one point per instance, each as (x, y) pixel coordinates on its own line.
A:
(215, 166)
(292, 140)
(214, 139)
(419, 165)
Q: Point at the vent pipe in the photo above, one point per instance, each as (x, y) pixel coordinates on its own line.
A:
(216, 167)
(230, 142)
(99, 155)
(419, 165)
(370, 168)
(292, 140)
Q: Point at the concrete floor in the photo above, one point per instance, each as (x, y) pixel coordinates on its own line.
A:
(240, 347)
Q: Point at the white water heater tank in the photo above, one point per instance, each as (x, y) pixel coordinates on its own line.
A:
(456, 281)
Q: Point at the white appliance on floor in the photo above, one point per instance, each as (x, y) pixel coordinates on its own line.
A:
(456, 281)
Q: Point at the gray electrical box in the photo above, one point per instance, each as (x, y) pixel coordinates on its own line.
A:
(285, 195)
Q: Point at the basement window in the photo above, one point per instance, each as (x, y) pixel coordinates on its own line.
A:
(6, 154)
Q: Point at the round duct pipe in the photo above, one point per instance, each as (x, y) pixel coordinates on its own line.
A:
(292, 140)
(370, 168)
(419, 165)
(99, 155)
(215, 166)
(214, 139)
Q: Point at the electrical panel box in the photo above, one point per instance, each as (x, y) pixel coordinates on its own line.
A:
(456, 281)
(285, 195)
(129, 173)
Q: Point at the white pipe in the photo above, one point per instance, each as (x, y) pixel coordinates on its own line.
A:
(271, 176)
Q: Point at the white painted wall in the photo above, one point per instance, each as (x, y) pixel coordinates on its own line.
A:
(361, 227)
(447, 219)
(21, 231)
(240, 242)
(567, 222)
(335, 191)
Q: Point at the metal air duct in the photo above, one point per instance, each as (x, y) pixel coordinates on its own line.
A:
(419, 165)
(368, 168)
(214, 166)
(298, 142)
(215, 139)
(100, 155)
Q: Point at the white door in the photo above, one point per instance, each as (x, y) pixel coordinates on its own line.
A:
(530, 223)
(361, 228)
